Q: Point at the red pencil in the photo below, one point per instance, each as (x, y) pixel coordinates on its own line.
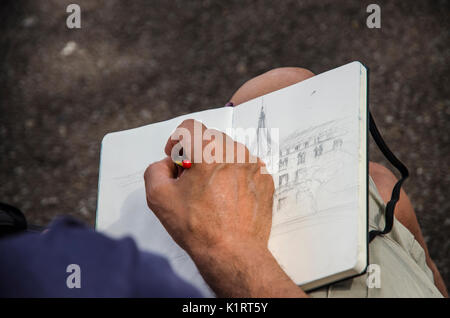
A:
(186, 164)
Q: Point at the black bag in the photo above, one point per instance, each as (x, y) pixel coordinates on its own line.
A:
(12, 220)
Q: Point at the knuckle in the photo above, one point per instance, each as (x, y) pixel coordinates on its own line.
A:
(260, 163)
(267, 180)
(187, 123)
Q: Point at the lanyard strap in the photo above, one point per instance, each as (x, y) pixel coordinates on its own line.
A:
(389, 212)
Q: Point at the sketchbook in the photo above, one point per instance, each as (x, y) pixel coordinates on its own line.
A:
(318, 160)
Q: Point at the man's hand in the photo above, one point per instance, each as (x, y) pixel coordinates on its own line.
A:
(213, 205)
(221, 214)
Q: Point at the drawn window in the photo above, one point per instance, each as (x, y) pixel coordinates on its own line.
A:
(320, 137)
(283, 163)
(300, 174)
(281, 203)
(284, 179)
(337, 144)
(318, 151)
(301, 157)
(306, 144)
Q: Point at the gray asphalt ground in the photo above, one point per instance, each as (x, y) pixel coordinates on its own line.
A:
(138, 62)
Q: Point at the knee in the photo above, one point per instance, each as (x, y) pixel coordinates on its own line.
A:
(383, 178)
(381, 174)
(288, 75)
(270, 81)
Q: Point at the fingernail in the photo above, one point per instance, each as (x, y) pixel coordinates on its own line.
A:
(229, 104)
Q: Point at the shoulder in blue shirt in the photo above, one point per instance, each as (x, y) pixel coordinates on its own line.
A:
(35, 265)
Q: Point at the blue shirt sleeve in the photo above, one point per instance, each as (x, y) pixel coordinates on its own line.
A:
(36, 265)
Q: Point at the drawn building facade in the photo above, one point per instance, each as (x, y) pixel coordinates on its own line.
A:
(299, 176)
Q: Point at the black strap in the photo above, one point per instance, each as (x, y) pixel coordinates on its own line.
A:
(389, 213)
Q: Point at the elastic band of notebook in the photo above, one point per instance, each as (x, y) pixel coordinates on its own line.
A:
(390, 207)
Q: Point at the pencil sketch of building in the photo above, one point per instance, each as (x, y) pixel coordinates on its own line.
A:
(308, 159)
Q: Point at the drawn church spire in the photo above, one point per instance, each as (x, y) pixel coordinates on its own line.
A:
(263, 138)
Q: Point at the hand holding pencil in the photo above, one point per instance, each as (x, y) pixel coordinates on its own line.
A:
(215, 195)
(220, 213)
